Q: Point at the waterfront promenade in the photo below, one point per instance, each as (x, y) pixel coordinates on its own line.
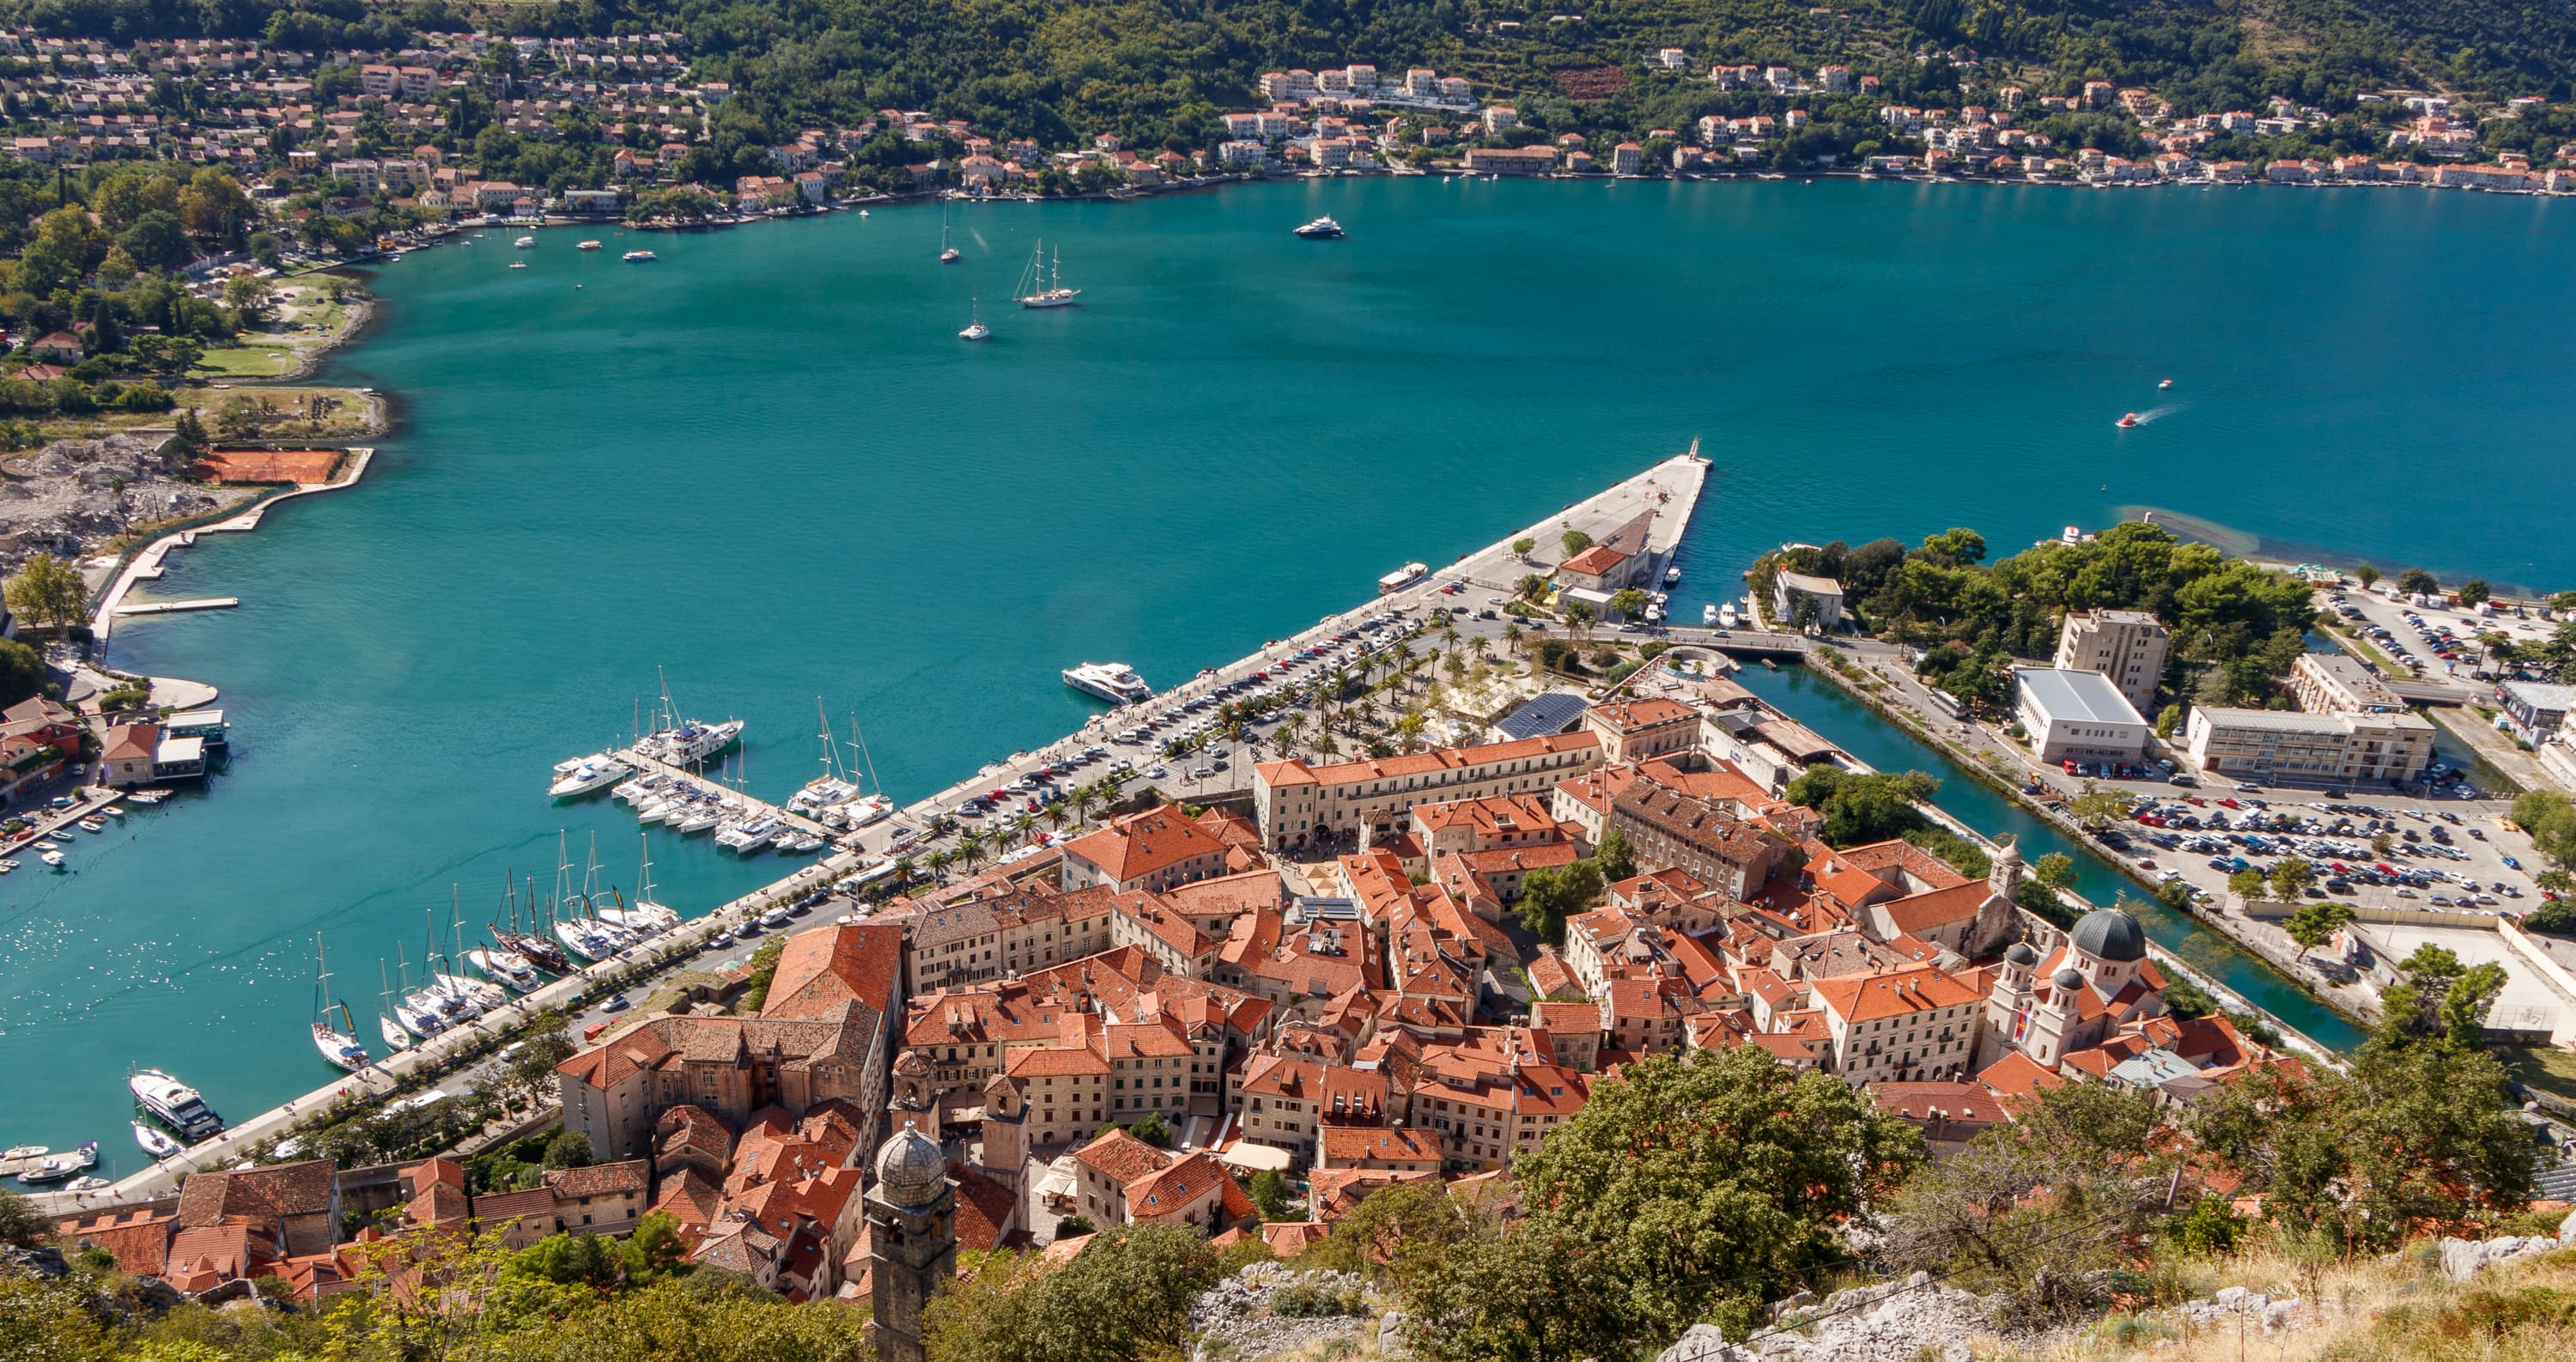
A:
(1671, 488)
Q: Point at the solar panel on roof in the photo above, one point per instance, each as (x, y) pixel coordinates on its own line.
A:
(1543, 716)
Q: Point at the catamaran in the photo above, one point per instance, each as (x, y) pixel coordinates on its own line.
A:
(1042, 283)
(1114, 682)
(338, 1044)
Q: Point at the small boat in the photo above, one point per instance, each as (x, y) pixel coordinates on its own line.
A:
(58, 1167)
(46, 846)
(154, 1143)
(975, 328)
(396, 1038)
(2166, 384)
(147, 798)
(863, 212)
(1673, 575)
(1321, 229)
(524, 242)
(1708, 614)
(518, 264)
(92, 825)
(587, 246)
(114, 811)
(16, 1152)
(98, 1184)
(639, 257)
(53, 858)
(2128, 420)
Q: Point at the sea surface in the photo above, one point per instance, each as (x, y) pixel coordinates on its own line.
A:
(765, 468)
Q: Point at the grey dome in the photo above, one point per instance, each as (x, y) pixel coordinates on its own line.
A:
(2110, 934)
(2069, 980)
(910, 1168)
(2020, 953)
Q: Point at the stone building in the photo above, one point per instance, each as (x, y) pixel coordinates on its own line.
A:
(912, 1241)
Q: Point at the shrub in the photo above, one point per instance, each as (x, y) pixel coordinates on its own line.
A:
(1315, 1297)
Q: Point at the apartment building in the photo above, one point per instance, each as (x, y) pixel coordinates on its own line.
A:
(1899, 1025)
(2338, 683)
(2128, 646)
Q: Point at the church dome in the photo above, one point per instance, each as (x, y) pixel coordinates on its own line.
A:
(2069, 980)
(2110, 934)
(910, 1167)
(2020, 953)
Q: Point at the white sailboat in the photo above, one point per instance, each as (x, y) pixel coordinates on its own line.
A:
(338, 1044)
(644, 914)
(1042, 282)
(975, 328)
(397, 1037)
(947, 253)
(155, 1143)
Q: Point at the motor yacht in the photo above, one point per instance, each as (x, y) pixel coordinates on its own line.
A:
(1115, 682)
(587, 246)
(504, 966)
(690, 741)
(174, 1104)
(639, 257)
(1321, 229)
(582, 780)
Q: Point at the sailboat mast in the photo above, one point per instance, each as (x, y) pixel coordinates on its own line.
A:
(862, 740)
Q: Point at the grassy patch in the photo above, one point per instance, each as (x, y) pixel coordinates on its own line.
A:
(257, 359)
(2543, 1067)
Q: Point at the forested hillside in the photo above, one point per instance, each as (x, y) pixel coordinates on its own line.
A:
(1156, 69)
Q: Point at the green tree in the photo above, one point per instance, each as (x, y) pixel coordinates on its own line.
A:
(2315, 923)
(1127, 1295)
(1617, 856)
(2292, 876)
(1863, 808)
(2366, 575)
(2547, 816)
(1575, 541)
(2418, 582)
(1629, 602)
(1522, 546)
(2098, 806)
(569, 1149)
(2473, 591)
(2169, 720)
(1269, 1189)
(48, 592)
(1551, 894)
(2056, 870)
(21, 1223)
(2248, 883)
(2556, 917)
(1688, 1189)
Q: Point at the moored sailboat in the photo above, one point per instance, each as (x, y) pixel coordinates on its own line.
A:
(338, 1043)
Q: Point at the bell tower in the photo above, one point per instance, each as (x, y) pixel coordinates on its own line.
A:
(912, 1240)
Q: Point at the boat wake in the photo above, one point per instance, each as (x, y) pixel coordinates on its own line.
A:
(980, 242)
(2153, 414)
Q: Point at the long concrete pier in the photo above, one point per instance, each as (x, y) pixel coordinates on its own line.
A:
(1671, 489)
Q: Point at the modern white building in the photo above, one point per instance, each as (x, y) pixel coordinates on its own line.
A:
(2127, 646)
(2077, 716)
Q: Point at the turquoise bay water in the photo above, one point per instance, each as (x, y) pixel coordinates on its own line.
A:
(766, 463)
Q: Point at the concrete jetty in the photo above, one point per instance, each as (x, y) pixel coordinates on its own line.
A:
(174, 607)
(1670, 489)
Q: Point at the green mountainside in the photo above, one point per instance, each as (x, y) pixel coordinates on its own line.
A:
(1156, 70)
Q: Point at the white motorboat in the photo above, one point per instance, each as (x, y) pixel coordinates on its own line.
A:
(1321, 229)
(747, 837)
(1708, 614)
(639, 257)
(147, 797)
(583, 780)
(174, 1104)
(58, 1167)
(1042, 282)
(1726, 616)
(1115, 682)
(524, 242)
(504, 966)
(800, 844)
(52, 858)
(16, 1152)
(98, 1184)
(587, 246)
(822, 793)
(154, 1143)
(1673, 575)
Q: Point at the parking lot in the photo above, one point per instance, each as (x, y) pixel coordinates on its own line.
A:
(2380, 850)
(2435, 642)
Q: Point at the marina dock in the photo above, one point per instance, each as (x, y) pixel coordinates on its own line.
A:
(1671, 489)
(174, 607)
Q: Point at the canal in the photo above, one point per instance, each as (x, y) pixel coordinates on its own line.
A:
(1860, 730)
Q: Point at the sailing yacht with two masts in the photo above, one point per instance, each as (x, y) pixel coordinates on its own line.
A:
(1042, 282)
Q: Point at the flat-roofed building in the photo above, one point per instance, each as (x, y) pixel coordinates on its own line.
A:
(2334, 683)
(2127, 646)
(2537, 709)
(2290, 747)
(2077, 716)
(1820, 599)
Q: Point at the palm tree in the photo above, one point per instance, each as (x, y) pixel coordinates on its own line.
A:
(938, 861)
(1481, 645)
(1056, 813)
(970, 847)
(1288, 730)
(1325, 746)
(1512, 636)
(1083, 797)
(903, 870)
